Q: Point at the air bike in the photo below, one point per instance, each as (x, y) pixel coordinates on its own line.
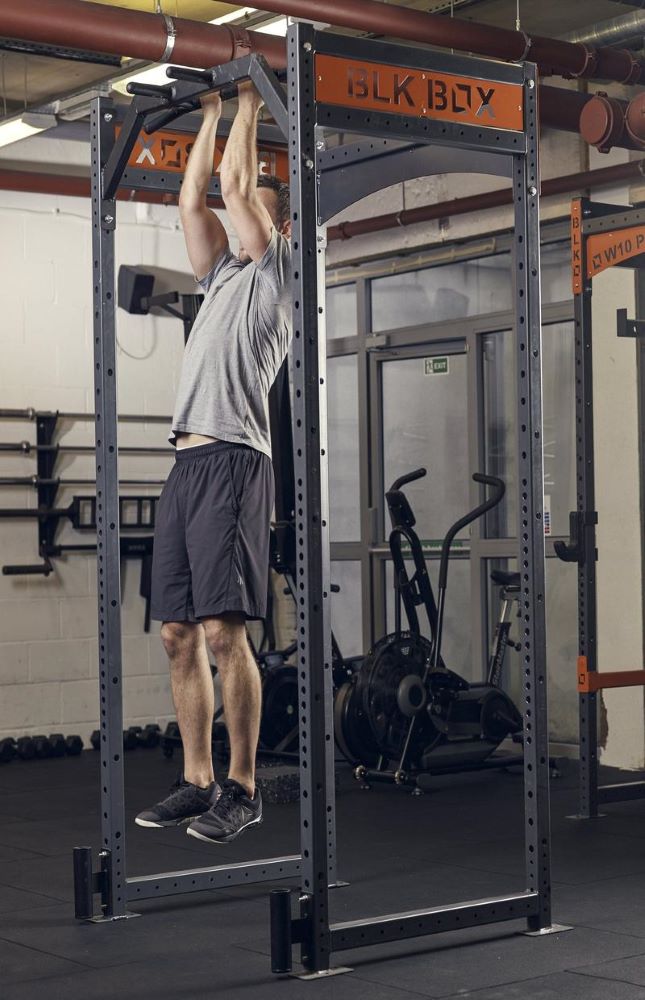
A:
(405, 715)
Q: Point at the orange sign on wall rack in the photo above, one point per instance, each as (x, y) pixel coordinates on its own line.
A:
(605, 250)
(576, 245)
(420, 94)
(170, 151)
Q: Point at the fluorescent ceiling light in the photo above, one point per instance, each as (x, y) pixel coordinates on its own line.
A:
(157, 74)
(16, 129)
(278, 27)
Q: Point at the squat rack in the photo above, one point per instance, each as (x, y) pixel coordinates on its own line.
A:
(602, 236)
(422, 112)
(453, 114)
(137, 156)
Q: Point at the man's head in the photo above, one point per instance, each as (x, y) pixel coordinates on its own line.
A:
(274, 195)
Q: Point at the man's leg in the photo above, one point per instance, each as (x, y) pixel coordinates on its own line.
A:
(241, 693)
(192, 691)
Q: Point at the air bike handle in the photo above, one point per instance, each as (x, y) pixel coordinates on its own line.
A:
(499, 489)
(404, 480)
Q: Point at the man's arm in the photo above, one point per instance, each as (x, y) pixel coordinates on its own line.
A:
(239, 177)
(205, 236)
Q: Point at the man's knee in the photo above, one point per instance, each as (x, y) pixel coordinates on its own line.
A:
(224, 637)
(178, 636)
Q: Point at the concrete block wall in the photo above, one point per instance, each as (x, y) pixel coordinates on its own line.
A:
(48, 662)
(48, 626)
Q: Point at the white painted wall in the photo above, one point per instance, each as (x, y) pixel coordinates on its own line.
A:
(620, 632)
(47, 627)
(48, 649)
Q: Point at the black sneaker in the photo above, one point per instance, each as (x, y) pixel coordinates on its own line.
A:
(233, 813)
(185, 803)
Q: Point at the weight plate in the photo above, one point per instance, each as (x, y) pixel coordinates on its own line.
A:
(392, 659)
(352, 730)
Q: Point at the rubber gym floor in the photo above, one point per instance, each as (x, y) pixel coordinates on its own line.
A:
(461, 841)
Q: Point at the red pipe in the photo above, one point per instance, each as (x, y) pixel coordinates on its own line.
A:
(119, 31)
(95, 27)
(635, 120)
(600, 119)
(122, 31)
(551, 54)
(79, 187)
(568, 184)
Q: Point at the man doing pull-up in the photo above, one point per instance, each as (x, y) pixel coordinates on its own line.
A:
(211, 548)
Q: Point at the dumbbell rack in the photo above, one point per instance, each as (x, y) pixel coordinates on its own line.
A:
(136, 512)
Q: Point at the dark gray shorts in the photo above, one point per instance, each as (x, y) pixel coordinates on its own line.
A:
(211, 546)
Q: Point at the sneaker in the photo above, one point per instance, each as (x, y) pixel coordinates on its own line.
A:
(233, 813)
(185, 803)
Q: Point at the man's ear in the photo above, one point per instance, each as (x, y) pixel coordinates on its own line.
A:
(285, 229)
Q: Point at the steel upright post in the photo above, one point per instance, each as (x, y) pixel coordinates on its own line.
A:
(107, 516)
(531, 511)
(312, 536)
(586, 505)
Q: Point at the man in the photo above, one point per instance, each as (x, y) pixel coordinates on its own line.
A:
(211, 549)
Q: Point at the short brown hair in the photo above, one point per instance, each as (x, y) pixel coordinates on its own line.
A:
(282, 194)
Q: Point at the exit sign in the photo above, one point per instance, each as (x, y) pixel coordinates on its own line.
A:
(437, 366)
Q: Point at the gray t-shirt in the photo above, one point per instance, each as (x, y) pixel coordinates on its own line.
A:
(235, 349)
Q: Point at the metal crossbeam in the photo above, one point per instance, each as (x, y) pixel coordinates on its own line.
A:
(436, 920)
(479, 109)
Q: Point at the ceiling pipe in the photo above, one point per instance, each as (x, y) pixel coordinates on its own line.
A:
(569, 184)
(97, 27)
(610, 32)
(161, 38)
(552, 55)
(79, 187)
(606, 122)
(64, 185)
(601, 120)
(603, 124)
(635, 119)
(118, 31)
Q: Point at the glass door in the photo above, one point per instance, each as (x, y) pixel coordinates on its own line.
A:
(420, 418)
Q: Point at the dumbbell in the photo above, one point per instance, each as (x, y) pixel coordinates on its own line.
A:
(8, 750)
(170, 738)
(57, 741)
(150, 736)
(73, 746)
(26, 748)
(172, 731)
(43, 747)
(131, 737)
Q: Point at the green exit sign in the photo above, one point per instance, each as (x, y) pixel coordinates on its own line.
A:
(437, 366)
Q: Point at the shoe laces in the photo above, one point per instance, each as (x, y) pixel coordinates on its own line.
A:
(231, 792)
